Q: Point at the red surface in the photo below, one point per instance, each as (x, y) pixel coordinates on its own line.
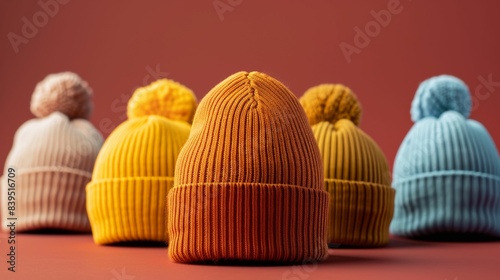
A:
(77, 257)
(120, 45)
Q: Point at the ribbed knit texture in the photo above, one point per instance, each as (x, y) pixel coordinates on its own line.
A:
(447, 170)
(53, 158)
(126, 199)
(355, 168)
(248, 182)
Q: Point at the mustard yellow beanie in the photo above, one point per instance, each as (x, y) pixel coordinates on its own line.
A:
(356, 171)
(126, 199)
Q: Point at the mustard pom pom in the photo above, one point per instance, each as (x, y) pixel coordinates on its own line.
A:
(330, 103)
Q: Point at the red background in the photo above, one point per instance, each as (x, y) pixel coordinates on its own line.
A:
(116, 45)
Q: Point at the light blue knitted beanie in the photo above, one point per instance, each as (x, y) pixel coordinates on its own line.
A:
(447, 170)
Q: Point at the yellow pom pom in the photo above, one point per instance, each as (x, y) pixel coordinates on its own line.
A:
(330, 102)
(165, 98)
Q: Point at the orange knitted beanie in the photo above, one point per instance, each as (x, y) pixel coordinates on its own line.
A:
(356, 170)
(248, 183)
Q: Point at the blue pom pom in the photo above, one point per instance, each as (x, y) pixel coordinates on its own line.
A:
(440, 94)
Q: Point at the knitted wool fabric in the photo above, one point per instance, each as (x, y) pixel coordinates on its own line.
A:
(53, 157)
(447, 170)
(356, 171)
(134, 170)
(248, 182)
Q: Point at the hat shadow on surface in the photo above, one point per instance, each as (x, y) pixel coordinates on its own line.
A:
(393, 243)
(137, 243)
(458, 237)
(332, 259)
(54, 231)
(336, 259)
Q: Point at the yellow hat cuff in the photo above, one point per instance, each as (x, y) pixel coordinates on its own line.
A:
(359, 213)
(128, 209)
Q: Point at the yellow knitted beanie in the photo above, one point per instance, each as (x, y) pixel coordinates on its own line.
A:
(356, 170)
(126, 199)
